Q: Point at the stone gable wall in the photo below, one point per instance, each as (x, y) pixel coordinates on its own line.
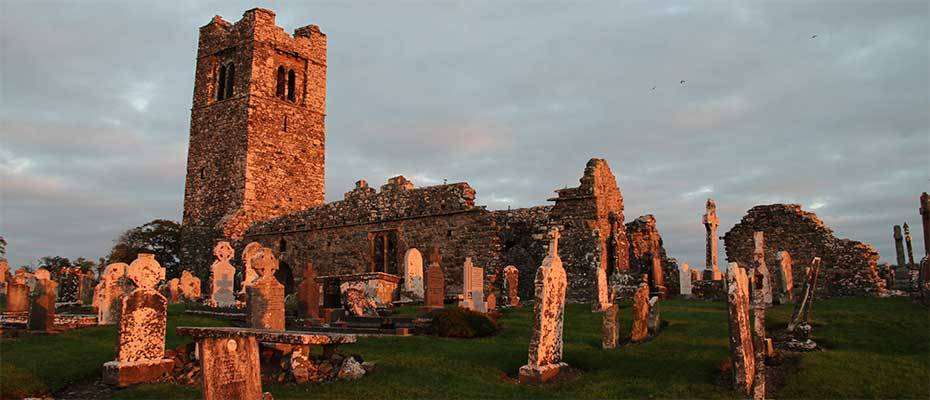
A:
(645, 240)
(849, 267)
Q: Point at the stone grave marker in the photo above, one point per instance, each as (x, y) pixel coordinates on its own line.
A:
(140, 356)
(473, 287)
(684, 280)
(711, 221)
(802, 308)
(248, 273)
(17, 299)
(655, 320)
(174, 293)
(545, 350)
(413, 273)
(308, 294)
(512, 285)
(761, 299)
(109, 293)
(435, 280)
(640, 330)
(42, 302)
(741, 347)
(610, 327)
(189, 286)
(265, 296)
(784, 281)
(223, 276)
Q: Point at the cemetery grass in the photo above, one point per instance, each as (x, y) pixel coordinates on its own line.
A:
(876, 348)
(32, 365)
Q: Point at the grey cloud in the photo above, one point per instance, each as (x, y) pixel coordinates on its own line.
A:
(512, 97)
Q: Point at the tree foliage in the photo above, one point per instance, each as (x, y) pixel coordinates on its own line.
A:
(161, 237)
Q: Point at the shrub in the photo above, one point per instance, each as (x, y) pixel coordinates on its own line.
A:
(461, 323)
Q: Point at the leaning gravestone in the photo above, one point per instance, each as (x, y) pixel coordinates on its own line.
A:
(140, 356)
(684, 280)
(42, 302)
(189, 286)
(801, 313)
(223, 276)
(545, 350)
(435, 280)
(308, 294)
(784, 284)
(266, 295)
(640, 329)
(109, 293)
(741, 353)
(17, 299)
(413, 273)
(512, 285)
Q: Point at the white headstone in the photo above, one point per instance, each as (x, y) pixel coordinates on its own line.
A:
(413, 272)
(473, 287)
(684, 279)
(223, 276)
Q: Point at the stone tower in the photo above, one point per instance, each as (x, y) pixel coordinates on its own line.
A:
(257, 130)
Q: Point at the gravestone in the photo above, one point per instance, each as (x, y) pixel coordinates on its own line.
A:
(741, 346)
(42, 302)
(174, 293)
(695, 276)
(413, 274)
(222, 276)
(909, 247)
(640, 330)
(308, 294)
(545, 350)
(189, 286)
(802, 308)
(899, 247)
(490, 302)
(248, 273)
(512, 285)
(711, 221)
(784, 281)
(266, 295)
(761, 299)
(655, 320)
(684, 280)
(435, 280)
(140, 355)
(17, 299)
(610, 327)
(473, 287)
(109, 293)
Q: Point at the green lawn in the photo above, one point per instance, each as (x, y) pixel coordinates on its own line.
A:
(876, 348)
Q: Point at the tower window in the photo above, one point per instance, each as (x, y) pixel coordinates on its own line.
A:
(279, 84)
(230, 80)
(285, 123)
(221, 84)
(202, 174)
(291, 82)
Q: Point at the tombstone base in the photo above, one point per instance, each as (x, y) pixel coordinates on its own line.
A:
(540, 374)
(124, 374)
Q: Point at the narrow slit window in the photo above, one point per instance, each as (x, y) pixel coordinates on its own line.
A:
(291, 82)
(285, 123)
(221, 84)
(279, 84)
(230, 80)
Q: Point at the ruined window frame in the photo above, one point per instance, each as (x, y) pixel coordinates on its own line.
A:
(292, 86)
(279, 90)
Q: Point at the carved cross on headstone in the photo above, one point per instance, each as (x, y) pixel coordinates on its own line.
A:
(223, 251)
(265, 263)
(145, 271)
(554, 236)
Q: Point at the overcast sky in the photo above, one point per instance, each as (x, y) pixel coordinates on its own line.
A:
(512, 97)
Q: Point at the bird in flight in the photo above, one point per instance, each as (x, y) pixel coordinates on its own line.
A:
(653, 88)
(682, 82)
(814, 37)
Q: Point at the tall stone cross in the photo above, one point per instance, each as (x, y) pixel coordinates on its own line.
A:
(910, 248)
(545, 350)
(899, 246)
(710, 224)
(925, 218)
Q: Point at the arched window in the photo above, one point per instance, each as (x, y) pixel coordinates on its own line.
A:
(279, 87)
(221, 84)
(291, 81)
(230, 80)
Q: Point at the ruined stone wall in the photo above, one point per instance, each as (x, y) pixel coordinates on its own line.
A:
(244, 162)
(645, 242)
(583, 216)
(849, 267)
(337, 236)
(523, 240)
